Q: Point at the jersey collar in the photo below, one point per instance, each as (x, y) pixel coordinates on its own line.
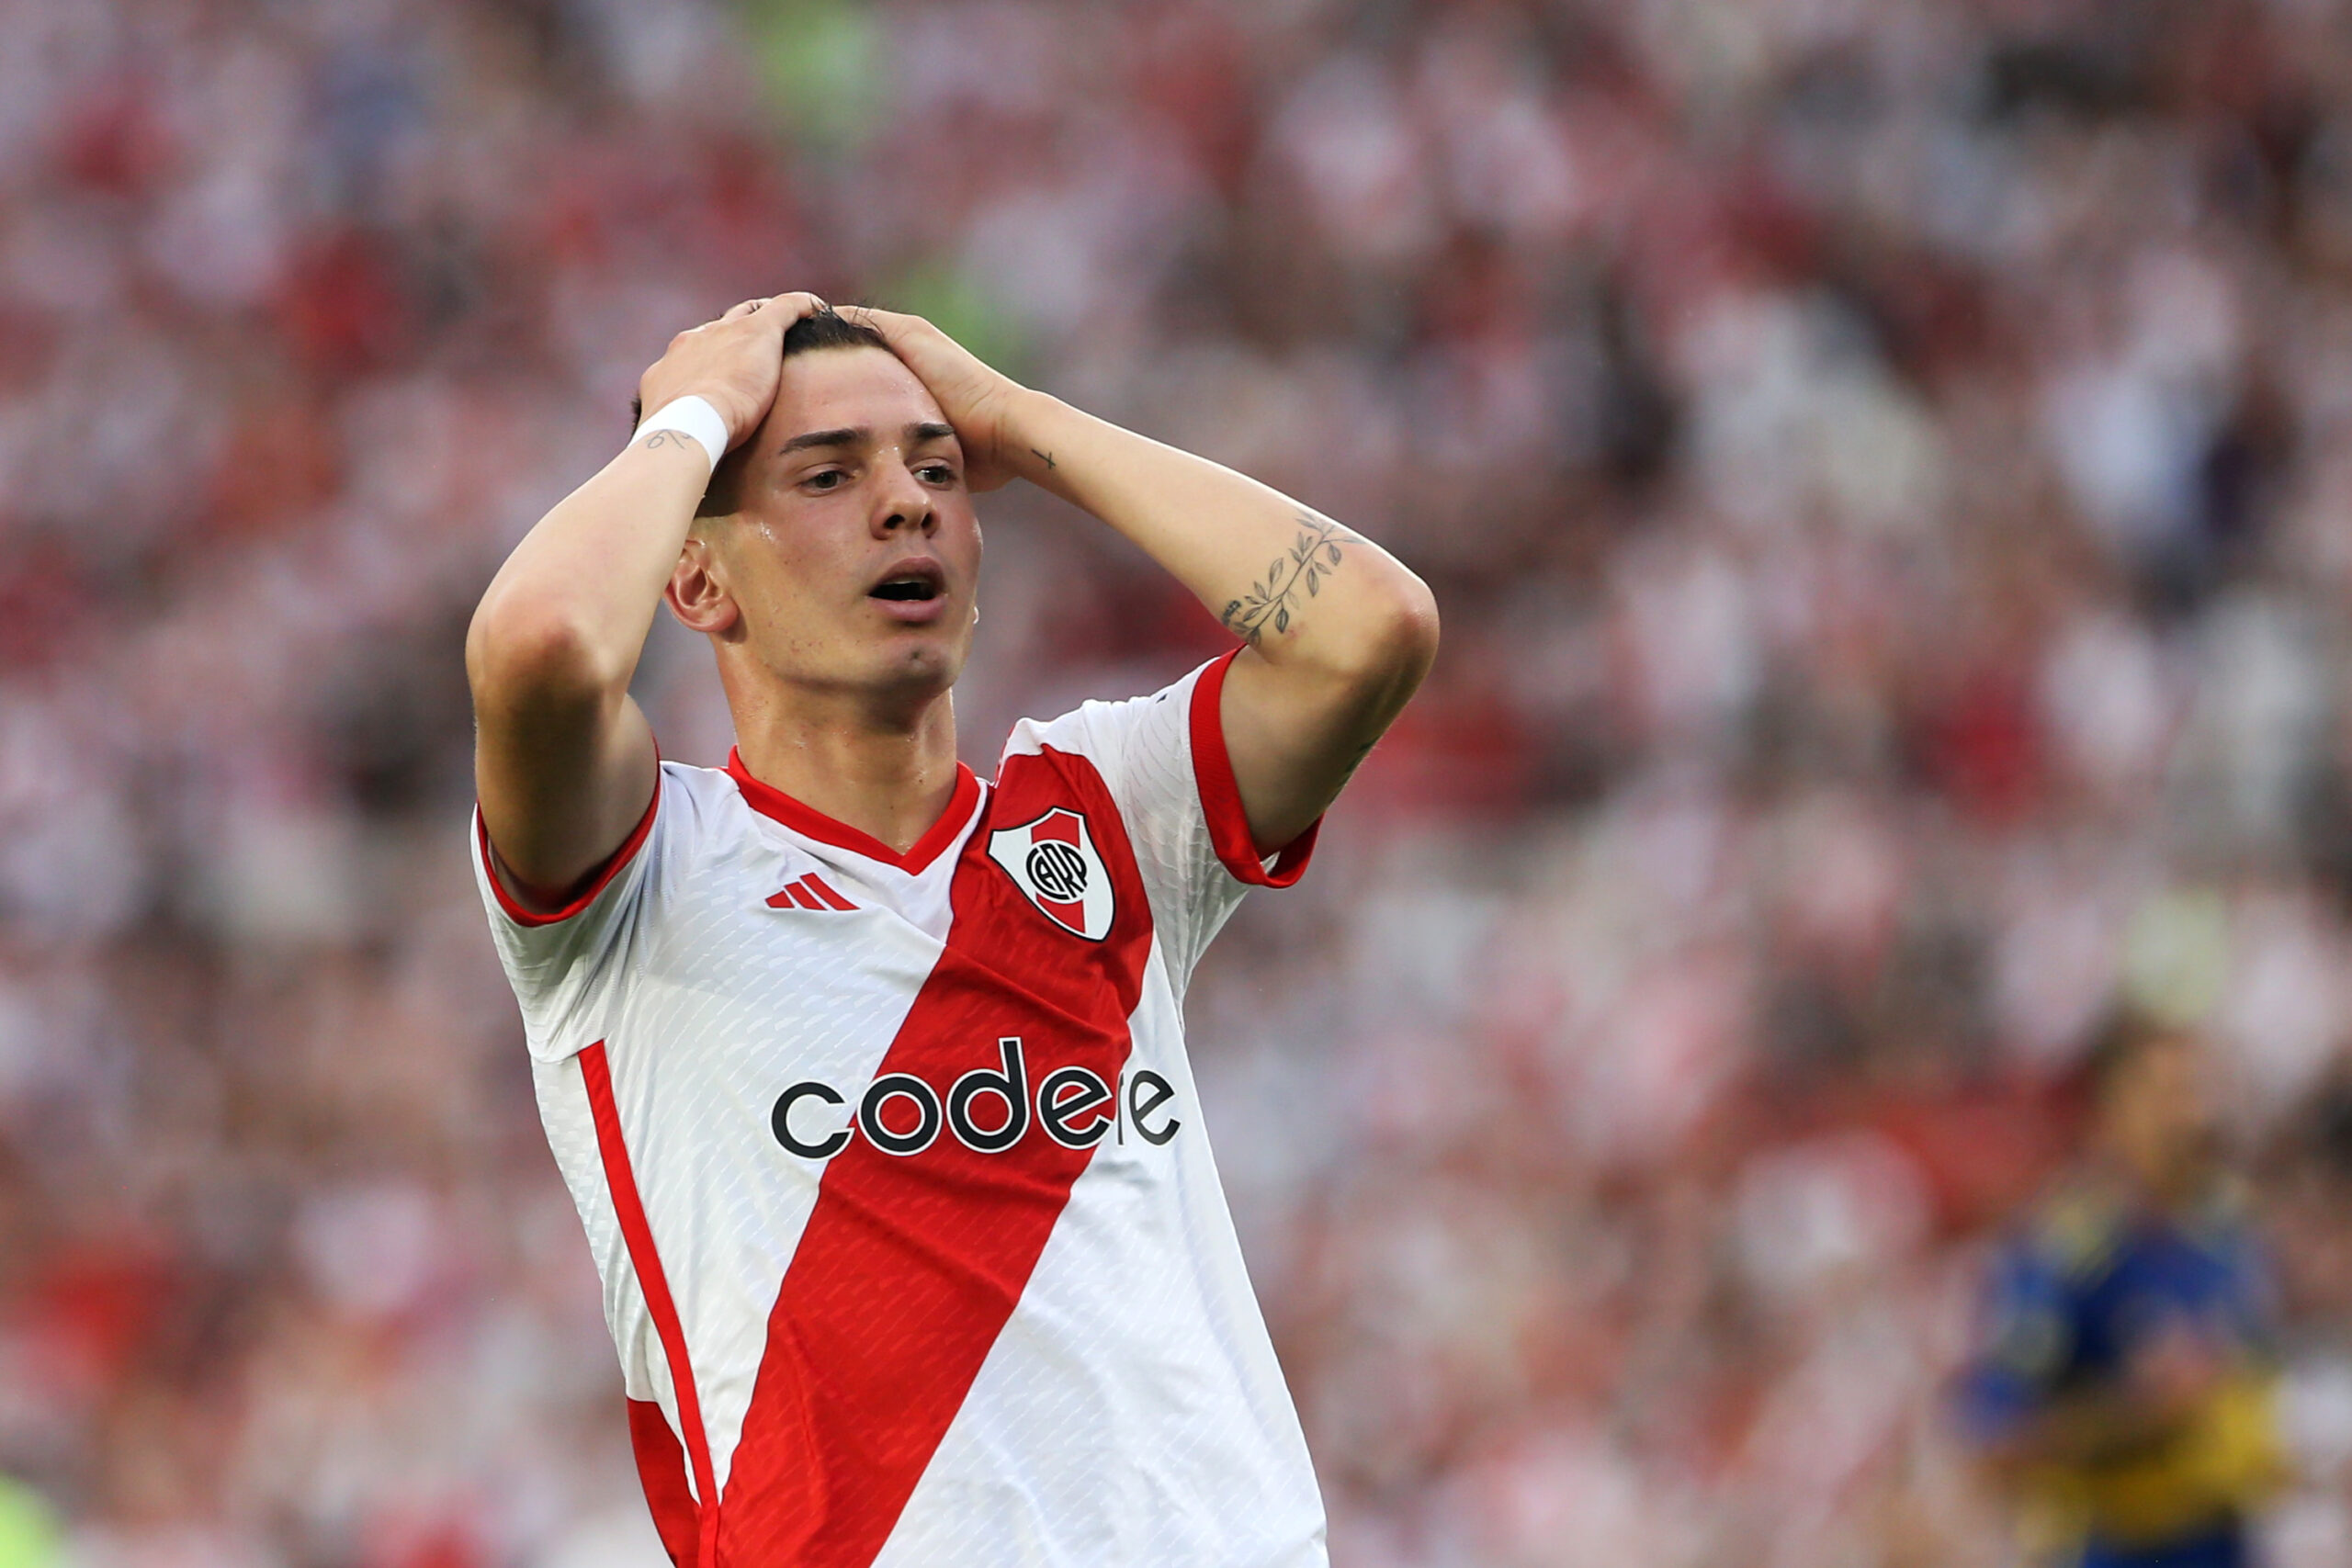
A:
(811, 823)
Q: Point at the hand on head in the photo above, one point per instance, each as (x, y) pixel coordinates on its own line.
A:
(732, 362)
(978, 399)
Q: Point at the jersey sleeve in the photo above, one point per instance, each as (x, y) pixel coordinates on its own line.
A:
(564, 965)
(1163, 759)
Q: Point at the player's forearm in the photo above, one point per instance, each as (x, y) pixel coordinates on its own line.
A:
(1306, 593)
(567, 616)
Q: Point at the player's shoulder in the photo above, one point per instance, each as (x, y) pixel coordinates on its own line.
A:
(695, 785)
(699, 809)
(691, 794)
(2077, 1229)
(1102, 728)
(2221, 1216)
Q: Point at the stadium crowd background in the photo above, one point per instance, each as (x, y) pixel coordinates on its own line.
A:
(1887, 468)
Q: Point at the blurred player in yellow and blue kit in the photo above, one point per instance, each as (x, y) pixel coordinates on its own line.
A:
(2123, 1384)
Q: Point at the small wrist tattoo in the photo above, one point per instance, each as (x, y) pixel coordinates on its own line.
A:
(1045, 457)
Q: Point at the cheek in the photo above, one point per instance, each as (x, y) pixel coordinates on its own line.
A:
(959, 540)
(800, 561)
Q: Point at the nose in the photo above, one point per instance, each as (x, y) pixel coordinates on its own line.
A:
(904, 505)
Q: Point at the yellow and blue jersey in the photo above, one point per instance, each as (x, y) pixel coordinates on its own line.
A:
(2089, 1285)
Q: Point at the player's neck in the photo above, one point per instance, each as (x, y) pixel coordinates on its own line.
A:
(887, 774)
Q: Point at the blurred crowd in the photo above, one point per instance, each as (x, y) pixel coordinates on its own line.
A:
(1886, 466)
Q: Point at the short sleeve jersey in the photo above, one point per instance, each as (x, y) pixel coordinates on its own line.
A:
(2079, 1292)
(912, 1244)
(2071, 1300)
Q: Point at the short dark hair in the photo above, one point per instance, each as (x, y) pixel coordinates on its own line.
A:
(822, 329)
(829, 328)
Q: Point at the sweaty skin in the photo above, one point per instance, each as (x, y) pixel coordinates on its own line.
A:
(839, 596)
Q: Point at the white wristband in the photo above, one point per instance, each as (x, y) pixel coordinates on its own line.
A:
(689, 416)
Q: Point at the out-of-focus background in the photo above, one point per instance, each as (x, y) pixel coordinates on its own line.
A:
(1886, 466)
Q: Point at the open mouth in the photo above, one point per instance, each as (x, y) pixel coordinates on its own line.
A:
(911, 583)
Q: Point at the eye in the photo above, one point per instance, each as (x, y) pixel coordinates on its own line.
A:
(824, 479)
(938, 473)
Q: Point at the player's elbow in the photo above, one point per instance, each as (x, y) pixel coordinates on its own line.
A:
(523, 655)
(1413, 631)
(1396, 635)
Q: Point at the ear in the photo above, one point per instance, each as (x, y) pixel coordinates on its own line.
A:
(697, 594)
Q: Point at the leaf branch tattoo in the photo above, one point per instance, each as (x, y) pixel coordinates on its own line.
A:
(1291, 580)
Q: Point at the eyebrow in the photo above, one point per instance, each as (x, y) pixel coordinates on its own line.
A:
(930, 430)
(843, 437)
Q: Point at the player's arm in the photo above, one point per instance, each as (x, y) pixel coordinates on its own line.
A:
(2086, 1429)
(1339, 632)
(2168, 1382)
(564, 762)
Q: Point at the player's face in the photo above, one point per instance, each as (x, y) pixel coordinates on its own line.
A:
(2160, 1116)
(854, 558)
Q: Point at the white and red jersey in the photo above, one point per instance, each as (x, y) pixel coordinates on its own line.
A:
(912, 1242)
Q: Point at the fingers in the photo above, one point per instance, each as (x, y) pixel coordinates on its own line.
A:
(787, 307)
(893, 324)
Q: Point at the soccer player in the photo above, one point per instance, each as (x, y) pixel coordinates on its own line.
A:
(867, 1074)
(2123, 1389)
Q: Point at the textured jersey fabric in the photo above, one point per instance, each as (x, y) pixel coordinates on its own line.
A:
(912, 1243)
(2081, 1292)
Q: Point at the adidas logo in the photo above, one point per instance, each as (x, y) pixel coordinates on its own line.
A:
(811, 892)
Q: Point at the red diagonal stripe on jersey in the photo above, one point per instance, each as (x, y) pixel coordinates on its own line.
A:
(792, 896)
(824, 890)
(660, 1492)
(909, 1265)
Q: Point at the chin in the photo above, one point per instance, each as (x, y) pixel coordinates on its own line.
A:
(905, 669)
(922, 670)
